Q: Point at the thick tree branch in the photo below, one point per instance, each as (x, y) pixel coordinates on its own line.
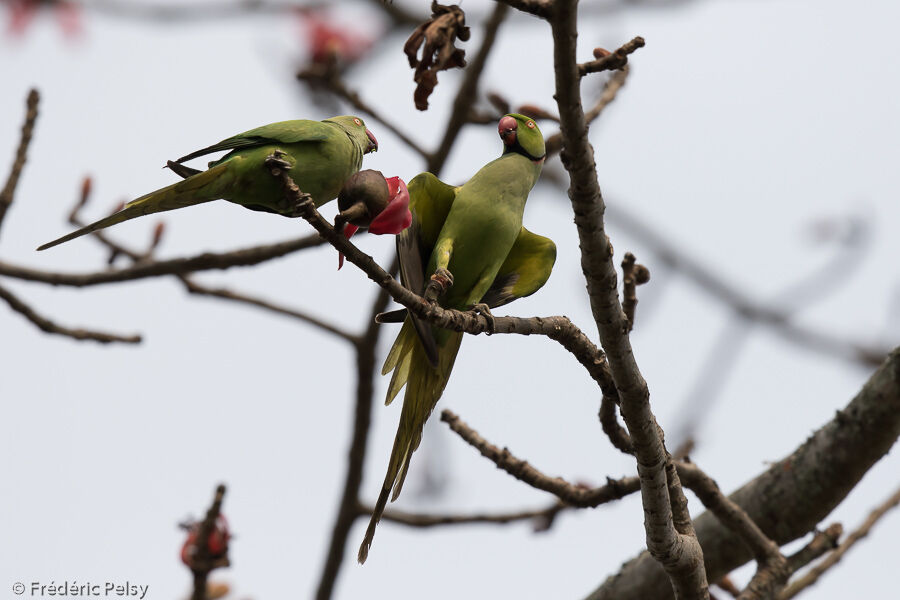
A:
(790, 498)
(570, 494)
(678, 551)
(9, 189)
(45, 324)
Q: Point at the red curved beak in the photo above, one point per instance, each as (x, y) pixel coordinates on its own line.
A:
(373, 143)
(507, 129)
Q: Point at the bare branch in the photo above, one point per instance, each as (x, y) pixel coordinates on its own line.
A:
(175, 266)
(610, 91)
(789, 499)
(542, 517)
(715, 285)
(610, 424)
(9, 190)
(673, 545)
(813, 575)
(45, 324)
(226, 294)
(633, 275)
(570, 494)
(336, 85)
(607, 61)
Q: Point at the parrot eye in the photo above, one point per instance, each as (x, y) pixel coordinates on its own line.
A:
(357, 121)
(530, 124)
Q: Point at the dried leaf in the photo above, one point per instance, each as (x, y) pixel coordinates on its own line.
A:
(436, 37)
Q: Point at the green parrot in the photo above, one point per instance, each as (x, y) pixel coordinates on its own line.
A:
(322, 155)
(466, 249)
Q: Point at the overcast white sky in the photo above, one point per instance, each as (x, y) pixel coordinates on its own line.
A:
(743, 123)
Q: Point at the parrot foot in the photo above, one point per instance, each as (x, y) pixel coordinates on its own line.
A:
(276, 160)
(438, 285)
(485, 311)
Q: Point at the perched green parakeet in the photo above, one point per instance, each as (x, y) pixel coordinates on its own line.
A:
(471, 239)
(322, 155)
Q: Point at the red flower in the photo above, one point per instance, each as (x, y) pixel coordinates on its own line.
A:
(332, 45)
(393, 219)
(22, 12)
(216, 543)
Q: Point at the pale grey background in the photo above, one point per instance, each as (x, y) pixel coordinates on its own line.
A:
(742, 124)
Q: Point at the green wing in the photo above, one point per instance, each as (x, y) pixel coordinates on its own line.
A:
(430, 200)
(283, 132)
(525, 270)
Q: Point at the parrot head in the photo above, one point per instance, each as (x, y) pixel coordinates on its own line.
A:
(521, 134)
(356, 129)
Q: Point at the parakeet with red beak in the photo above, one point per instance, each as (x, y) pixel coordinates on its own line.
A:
(466, 248)
(322, 156)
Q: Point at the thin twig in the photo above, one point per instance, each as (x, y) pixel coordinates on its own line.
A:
(9, 190)
(617, 435)
(336, 86)
(226, 294)
(813, 575)
(610, 91)
(614, 60)
(569, 493)
(45, 324)
(175, 266)
(717, 286)
(542, 517)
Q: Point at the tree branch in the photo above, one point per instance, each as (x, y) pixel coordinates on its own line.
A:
(9, 189)
(570, 494)
(176, 266)
(813, 575)
(790, 498)
(48, 326)
(611, 61)
(678, 551)
(542, 517)
(195, 288)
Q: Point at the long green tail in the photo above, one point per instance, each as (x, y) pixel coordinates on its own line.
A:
(424, 386)
(197, 189)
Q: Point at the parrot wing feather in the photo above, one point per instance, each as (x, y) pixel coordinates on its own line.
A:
(284, 132)
(525, 270)
(430, 200)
